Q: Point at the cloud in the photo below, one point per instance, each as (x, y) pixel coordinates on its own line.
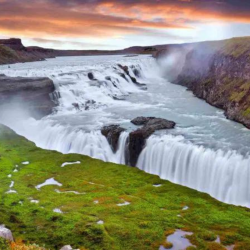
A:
(79, 19)
(60, 43)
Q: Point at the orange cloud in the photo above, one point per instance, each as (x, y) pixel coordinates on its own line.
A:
(110, 18)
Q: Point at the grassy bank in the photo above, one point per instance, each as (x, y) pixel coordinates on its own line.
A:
(153, 212)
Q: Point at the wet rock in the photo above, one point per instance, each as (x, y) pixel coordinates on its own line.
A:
(154, 123)
(76, 106)
(112, 133)
(137, 139)
(133, 79)
(6, 233)
(141, 120)
(30, 94)
(91, 76)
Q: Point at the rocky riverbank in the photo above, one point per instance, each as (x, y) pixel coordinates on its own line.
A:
(31, 95)
(218, 72)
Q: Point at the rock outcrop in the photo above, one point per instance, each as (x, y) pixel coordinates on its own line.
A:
(31, 94)
(219, 72)
(5, 233)
(112, 133)
(137, 139)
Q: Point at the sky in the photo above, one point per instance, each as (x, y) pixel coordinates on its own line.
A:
(117, 24)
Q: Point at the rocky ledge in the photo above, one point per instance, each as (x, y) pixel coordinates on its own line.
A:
(30, 94)
(136, 139)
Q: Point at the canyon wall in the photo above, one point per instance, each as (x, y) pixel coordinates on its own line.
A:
(30, 95)
(218, 72)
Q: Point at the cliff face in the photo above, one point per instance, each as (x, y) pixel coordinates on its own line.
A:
(30, 94)
(219, 72)
(13, 51)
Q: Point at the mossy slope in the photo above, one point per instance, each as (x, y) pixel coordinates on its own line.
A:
(143, 224)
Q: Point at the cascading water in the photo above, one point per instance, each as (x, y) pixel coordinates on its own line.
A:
(224, 176)
(205, 152)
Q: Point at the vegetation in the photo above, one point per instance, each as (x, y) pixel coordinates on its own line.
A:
(8, 55)
(153, 212)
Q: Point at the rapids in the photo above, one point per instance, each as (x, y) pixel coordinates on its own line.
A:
(205, 152)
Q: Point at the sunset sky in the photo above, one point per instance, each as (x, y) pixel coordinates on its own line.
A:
(115, 24)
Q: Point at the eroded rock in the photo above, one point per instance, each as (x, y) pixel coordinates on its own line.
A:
(137, 139)
(112, 133)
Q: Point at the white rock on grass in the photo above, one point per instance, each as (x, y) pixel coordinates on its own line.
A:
(48, 182)
(11, 191)
(34, 201)
(68, 247)
(70, 163)
(123, 204)
(57, 210)
(157, 185)
(25, 162)
(6, 233)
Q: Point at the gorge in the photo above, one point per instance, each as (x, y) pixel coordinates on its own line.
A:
(93, 92)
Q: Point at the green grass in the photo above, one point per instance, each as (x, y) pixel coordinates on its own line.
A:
(144, 224)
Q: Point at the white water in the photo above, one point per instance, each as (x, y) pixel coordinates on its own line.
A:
(206, 151)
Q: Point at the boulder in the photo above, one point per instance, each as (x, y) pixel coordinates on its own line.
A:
(112, 133)
(31, 94)
(6, 233)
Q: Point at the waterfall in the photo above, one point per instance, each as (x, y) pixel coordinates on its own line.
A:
(87, 102)
(225, 176)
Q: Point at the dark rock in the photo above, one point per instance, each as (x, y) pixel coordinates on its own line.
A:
(32, 94)
(133, 79)
(137, 139)
(112, 133)
(154, 123)
(141, 120)
(137, 72)
(91, 76)
(76, 106)
(108, 78)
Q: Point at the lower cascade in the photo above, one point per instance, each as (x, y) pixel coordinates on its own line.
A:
(225, 176)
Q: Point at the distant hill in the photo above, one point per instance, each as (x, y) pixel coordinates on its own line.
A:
(12, 51)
